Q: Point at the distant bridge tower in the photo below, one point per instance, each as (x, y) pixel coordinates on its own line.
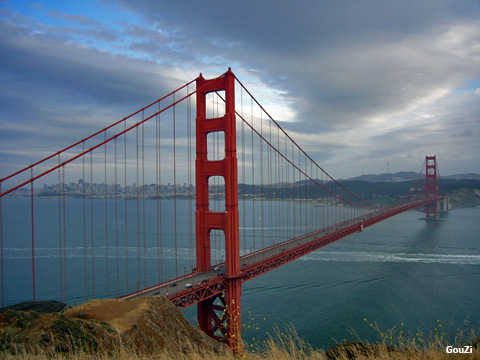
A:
(218, 317)
(431, 186)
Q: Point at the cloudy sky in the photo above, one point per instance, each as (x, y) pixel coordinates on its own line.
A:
(358, 84)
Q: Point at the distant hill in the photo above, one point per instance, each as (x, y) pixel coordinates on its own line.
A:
(469, 176)
(408, 176)
(396, 177)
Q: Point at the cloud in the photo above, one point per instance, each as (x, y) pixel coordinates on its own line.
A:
(78, 19)
(54, 92)
(465, 133)
(341, 64)
(354, 83)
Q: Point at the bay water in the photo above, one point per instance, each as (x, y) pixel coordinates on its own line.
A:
(420, 276)
(418, 273)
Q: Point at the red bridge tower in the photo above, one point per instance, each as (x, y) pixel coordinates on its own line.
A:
(431, 186)
(219, 317)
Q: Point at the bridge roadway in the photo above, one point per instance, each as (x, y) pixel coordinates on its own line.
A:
(193, 288)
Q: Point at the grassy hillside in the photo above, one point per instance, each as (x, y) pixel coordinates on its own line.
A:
(279, 347)
(152, 328)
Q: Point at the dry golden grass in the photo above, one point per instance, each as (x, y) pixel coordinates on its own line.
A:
(278, 347)
(121, 315)
(154, 329)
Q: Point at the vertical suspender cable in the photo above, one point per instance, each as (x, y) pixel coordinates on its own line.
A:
(283, 189)
(1, 245)
(244, 209)
(137, 187)
(157, 187)
(278, 174)
(330, 202)
(116, 219)
(276, 187)
(175, 188)
(294, 195)
(143, 204)
(60, 231)
(288, 192)
(189, 181)
(126, 205)
(253, 177)
(33, 234)
(91, 222)
(270, 182)
(334, 207)
(336, 204)
(323, 203)
(273, 203)
(315, 210)
(159, 197)
(301, 194)
(327, 196)
(220, 244)
(306, 196)
(350, 205)
(312, 184)
(282, 196)
(285, 179)
(106, 215)
(64, 236)
(262, 215)
(84, 223)
(315, 197)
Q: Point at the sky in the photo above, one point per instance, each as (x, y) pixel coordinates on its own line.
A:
(363, 86)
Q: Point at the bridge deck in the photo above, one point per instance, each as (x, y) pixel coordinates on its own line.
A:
(190, 289)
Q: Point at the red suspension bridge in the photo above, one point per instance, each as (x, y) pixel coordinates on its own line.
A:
(184, 203)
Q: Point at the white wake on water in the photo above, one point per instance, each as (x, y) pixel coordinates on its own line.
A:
(458, 259)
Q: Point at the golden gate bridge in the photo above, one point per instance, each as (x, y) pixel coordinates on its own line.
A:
(188, 197)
